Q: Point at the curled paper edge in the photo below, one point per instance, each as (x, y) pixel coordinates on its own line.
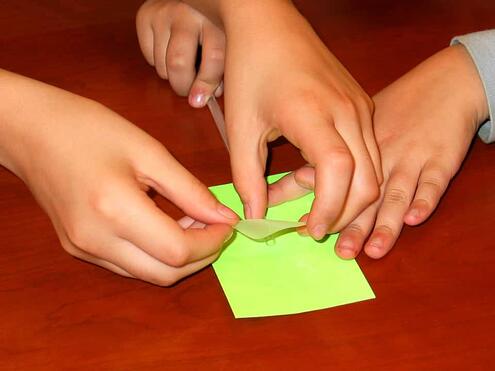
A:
(260, 229)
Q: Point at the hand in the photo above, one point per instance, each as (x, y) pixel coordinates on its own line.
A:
(424, 124)
(280, 79)
(169, 33)
(90, 170)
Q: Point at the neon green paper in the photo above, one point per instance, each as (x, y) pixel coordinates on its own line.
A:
(289, 274)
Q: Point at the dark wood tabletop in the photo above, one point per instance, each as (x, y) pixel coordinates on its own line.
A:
(435, 305)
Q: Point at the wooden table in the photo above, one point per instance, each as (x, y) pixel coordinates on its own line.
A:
(435, 306)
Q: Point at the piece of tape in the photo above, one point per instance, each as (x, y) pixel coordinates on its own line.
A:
(261, 229)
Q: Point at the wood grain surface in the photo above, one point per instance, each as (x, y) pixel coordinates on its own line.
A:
(435, 306)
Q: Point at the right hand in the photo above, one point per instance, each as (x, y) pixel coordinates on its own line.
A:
(281, 80)
(169, 34)
(90, 170)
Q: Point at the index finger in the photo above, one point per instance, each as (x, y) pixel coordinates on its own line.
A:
(142, 223)
(325, 149)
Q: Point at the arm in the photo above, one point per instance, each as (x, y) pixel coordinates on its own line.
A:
(481, 48)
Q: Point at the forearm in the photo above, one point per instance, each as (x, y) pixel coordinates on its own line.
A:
(227, 13)
(481, 47)
(27, 110)
(14, 110)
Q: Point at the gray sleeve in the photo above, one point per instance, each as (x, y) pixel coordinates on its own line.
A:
(481, 47)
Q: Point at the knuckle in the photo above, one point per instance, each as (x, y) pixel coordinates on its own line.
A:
(354, 228)
(177, 61)
(396, 196)
(69, 247)
(163, 9)
(106, 205)
(214, 55)
(161, 70)
(366, 103)
(437, 179)
(340, 158)
(348, 107)
(177, 257)
(370, 194)
(142, 15)
(433, 184)
(165, 279)
(78, 237)
(385, 229)
(365, 194)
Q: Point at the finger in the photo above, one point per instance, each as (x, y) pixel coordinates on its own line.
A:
(291, 186)
(397, 197)
(157, 234)
(160, 49)
(83, 255)
(433, 182)
(145, 35)
(219, 90)
(303, 231)
(141, 265)
(364, 187)
(159, 170)
(370, 140)
(334, 167)
(187, 222)
(248, 161)
(181, 57)
(141, 222)
(212, 66)
(100, 262)
(351, 238)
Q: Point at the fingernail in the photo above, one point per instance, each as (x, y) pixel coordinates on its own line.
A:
(319, 231)
(228, 238)
(303, 231)
(199, 100)
(247, 211)
(375, 243)
(226, 212)
(346, 247)
(414, 213)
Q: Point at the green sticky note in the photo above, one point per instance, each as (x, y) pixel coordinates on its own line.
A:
(288, 274)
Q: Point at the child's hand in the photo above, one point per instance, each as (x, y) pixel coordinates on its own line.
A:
(280, 79)
(169, 33)
(90, 169)
(424, 124)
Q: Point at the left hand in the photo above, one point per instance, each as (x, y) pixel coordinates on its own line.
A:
(424, 124)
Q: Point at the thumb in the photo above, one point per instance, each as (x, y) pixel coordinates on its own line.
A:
(292, 186)
(161, 171)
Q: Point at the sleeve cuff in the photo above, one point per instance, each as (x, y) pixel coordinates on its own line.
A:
(481, 47)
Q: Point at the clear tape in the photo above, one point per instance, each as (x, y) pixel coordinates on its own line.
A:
(262, 229)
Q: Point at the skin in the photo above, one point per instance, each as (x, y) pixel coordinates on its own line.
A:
(92, 180)
(433, 111)
(169, 33)
(281, 80)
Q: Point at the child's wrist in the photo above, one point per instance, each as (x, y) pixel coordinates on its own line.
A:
(477, 97)
(7, 121)
(238, 15)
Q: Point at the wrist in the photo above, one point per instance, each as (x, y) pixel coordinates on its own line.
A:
(463, 83)
(9, 109)
(475, 92)
(243, 15)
